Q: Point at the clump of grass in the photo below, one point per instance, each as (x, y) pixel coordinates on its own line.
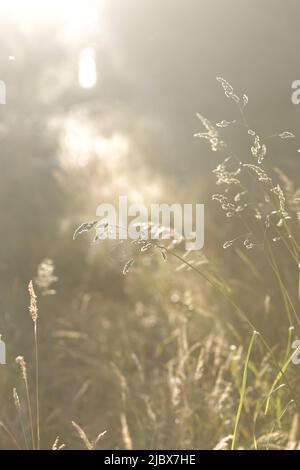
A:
(264, 206)
(35, 429)
(185, 375)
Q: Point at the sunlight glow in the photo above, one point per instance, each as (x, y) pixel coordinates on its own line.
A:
(81, 143)
(87, 71)
(76, 16)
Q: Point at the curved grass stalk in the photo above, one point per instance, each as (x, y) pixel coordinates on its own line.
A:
(257, 412)
(243, 391)
(278, 419)
(279, 376)
(285, 294)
